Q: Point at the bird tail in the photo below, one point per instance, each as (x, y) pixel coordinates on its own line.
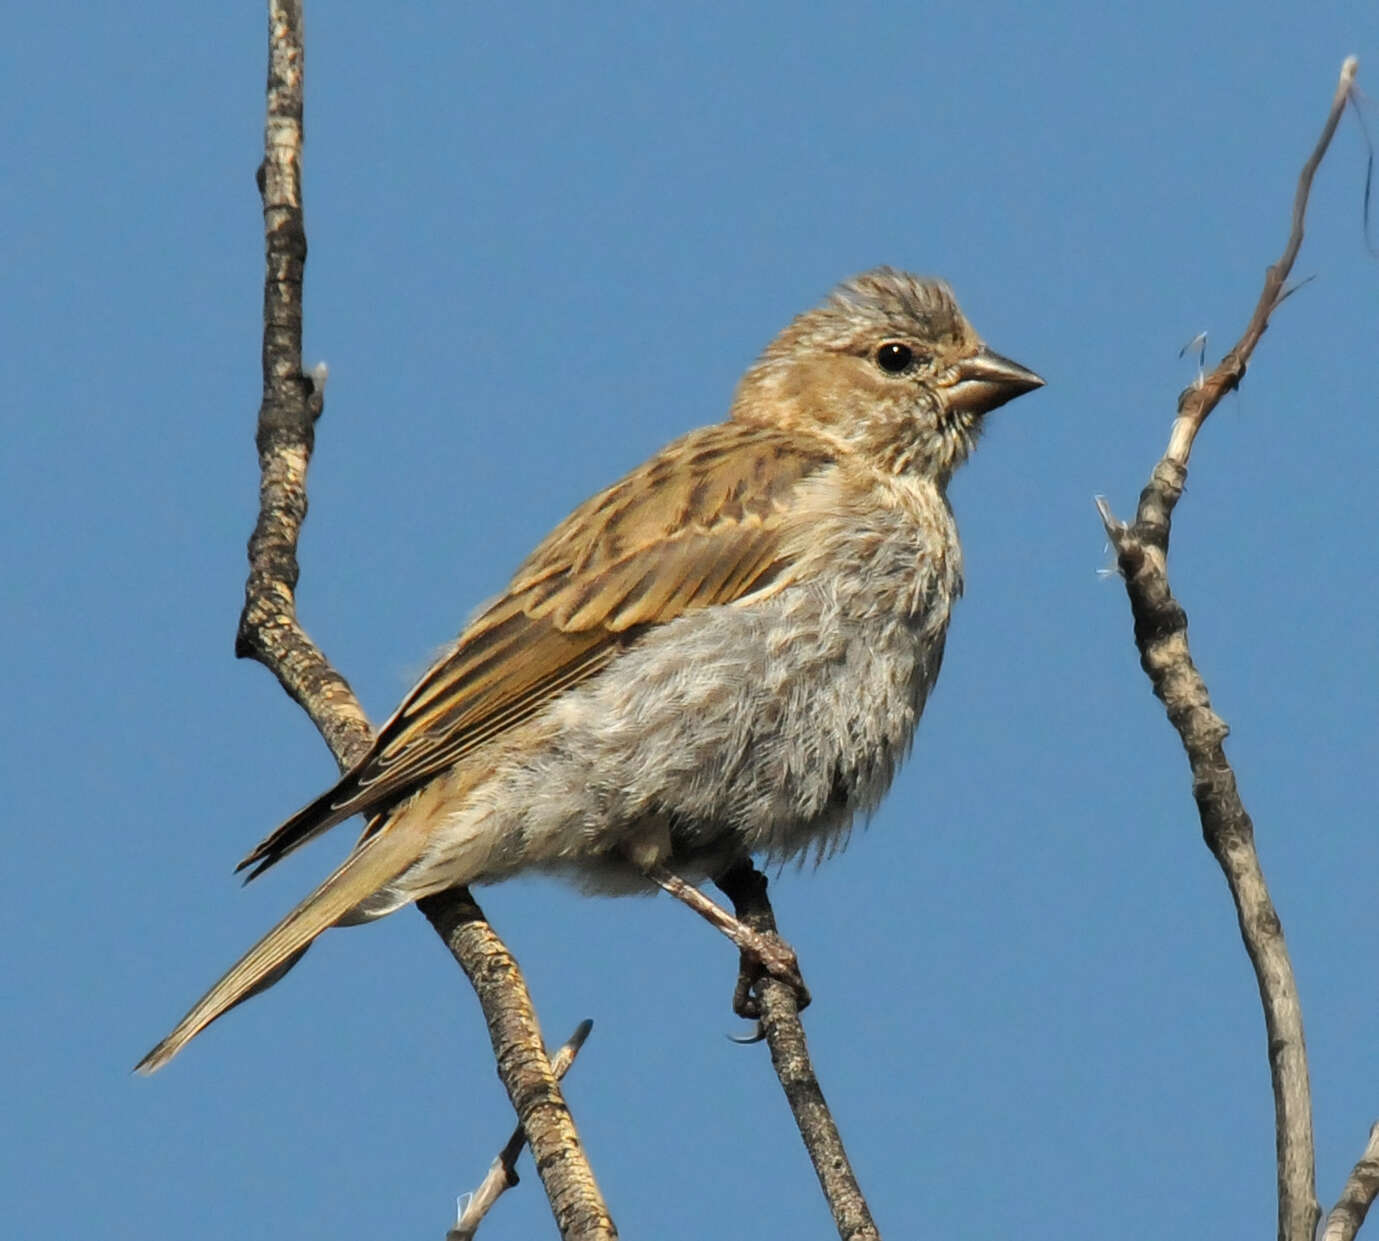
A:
(378, 861)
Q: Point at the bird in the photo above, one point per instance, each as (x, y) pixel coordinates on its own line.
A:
(722, 656)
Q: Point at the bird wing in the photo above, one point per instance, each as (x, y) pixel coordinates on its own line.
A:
(699, 524)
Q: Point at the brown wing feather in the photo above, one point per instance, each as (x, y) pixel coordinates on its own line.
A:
(697, 525)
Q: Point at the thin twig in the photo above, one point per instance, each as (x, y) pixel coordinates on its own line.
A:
(745, 886)
(1358, 1195)
(502, 1173)
(1198, 401)
(270, 633)
(1161, 636)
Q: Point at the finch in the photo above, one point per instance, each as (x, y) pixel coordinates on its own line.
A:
(723, 655)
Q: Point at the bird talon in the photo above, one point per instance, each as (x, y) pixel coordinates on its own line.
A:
(746, 1040)
(766, 954)
(744, 1001)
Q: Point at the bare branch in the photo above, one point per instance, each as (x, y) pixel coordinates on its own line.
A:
(1161, 636)
(270, 633)
(502, 1173)
(745, 886)
(1197, 402)
(1357, 1196)
(268, 627)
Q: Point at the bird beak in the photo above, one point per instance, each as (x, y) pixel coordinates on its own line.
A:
(986, 380)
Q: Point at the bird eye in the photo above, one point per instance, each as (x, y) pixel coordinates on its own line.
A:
(894, 357)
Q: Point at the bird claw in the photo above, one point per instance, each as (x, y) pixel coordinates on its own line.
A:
(746, 1040)
(766, 955)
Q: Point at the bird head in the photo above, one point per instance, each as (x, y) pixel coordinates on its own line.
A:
(887, 367)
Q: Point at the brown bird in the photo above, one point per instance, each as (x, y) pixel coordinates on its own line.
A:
(723, 655)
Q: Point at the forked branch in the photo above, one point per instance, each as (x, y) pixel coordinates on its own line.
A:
(270, 633)
(1161, 636)
(502, 1173)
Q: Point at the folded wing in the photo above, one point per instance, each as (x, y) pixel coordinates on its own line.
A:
(699, 524)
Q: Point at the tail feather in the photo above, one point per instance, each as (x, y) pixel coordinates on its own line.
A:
(369, 867)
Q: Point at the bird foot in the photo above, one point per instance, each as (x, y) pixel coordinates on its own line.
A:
(769, 956)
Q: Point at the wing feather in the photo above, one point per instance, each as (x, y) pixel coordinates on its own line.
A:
(699, 524)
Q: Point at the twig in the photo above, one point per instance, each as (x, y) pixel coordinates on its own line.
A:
(270, 633)
(502, 1173)
(1161, 636)
(1197, 402)
(1357, 1196)
(745, 886)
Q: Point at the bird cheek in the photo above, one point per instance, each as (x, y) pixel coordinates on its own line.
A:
(929, 413)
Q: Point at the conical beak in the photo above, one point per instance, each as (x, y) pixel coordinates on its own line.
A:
(986, 381)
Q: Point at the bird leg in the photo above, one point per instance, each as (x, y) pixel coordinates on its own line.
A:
(763, 952)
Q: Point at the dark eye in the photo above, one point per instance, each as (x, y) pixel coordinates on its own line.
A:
(894, 357)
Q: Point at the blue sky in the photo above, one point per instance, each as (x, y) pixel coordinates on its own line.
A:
(544, 242)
